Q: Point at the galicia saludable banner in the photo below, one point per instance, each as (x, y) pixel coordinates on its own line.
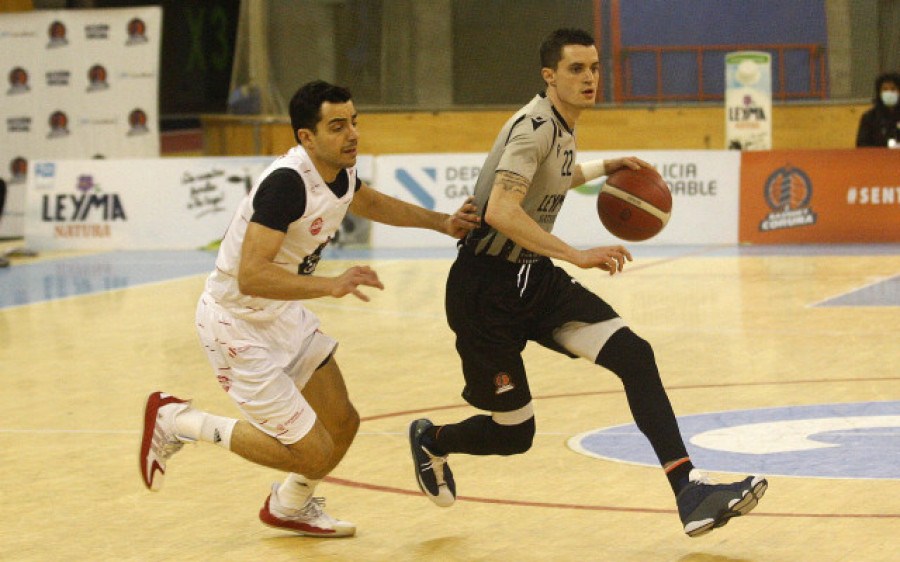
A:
(79, 84)
(704, 185)
(705, 188)
(748, 100)
(820, 196)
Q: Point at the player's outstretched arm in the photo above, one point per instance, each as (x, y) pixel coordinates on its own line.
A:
(258, 275)
(374, 205)
(505, 213)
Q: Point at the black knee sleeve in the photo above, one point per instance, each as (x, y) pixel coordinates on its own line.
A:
(628, 355)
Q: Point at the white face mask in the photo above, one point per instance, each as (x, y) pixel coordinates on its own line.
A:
(889, 98)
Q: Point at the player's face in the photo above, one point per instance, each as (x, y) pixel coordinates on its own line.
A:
(576, 76)
(332, 146)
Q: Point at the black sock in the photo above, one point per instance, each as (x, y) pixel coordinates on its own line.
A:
(679, 475)
(429, 438)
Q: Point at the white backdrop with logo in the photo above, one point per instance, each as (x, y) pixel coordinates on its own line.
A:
(187, 202)
(169, 203)
(705, 186)
(79, 84)
(705, 189)
(158, 203)
(440, 182)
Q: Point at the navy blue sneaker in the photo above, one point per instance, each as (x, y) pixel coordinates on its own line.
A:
(704, 506)
(432, 471)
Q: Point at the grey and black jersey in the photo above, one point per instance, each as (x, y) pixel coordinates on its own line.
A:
(536, 144)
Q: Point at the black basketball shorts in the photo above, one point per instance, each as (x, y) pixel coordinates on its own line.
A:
(496, 307)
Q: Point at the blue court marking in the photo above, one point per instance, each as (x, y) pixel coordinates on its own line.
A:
(853, 441)
(63, 277)
(54, 279)
(882, 293)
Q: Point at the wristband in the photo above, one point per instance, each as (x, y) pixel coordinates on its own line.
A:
(593, 169)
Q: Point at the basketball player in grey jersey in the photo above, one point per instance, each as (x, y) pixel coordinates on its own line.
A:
(536, 129)
(503, 290)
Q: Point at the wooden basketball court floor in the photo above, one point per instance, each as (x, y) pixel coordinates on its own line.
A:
(787, 355)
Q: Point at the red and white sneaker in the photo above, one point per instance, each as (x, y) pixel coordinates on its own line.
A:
(310, 520)
(159, 441)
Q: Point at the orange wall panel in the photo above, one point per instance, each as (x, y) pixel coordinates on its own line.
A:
(820, 196)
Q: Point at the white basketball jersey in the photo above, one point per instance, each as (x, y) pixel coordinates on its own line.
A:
(303, 243)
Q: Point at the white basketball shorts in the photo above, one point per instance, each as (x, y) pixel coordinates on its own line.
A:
(264, 365)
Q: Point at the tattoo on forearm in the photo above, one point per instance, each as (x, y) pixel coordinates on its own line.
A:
(509, 181)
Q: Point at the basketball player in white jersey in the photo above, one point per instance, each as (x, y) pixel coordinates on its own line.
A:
(266, 348)
(503, 291)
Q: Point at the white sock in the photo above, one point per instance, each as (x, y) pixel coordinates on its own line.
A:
(296, 490)
(200, 426)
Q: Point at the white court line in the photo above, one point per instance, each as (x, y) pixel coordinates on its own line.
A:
(851, 291)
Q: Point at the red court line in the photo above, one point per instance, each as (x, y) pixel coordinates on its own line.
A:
(622, 390)
(520, 503)
(390, 489)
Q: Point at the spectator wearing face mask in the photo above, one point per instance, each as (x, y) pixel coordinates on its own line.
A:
(879, 125)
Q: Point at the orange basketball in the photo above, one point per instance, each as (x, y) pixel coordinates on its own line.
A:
(634, 205)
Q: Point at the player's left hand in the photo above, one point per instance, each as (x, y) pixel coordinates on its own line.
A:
(463, 220)
(632, 162)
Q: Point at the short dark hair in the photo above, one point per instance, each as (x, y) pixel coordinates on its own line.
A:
(306, 105)
(552, 47)
(879, 82)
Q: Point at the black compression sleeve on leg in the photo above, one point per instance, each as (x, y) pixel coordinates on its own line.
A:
(632, 359)
(481, 435)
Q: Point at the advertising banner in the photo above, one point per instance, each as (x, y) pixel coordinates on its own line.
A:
(171, 203)
(167, 203)
(748, 100)
(705, 188)
(704, 185)
(440, 182)
(820, 196)
(79, 84)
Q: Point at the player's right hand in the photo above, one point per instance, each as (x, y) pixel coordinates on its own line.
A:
(607, 258)
(349, 282)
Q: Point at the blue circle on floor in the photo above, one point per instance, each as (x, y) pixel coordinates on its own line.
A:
(855, 440)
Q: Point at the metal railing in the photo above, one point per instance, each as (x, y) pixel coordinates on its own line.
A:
(817, 86)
